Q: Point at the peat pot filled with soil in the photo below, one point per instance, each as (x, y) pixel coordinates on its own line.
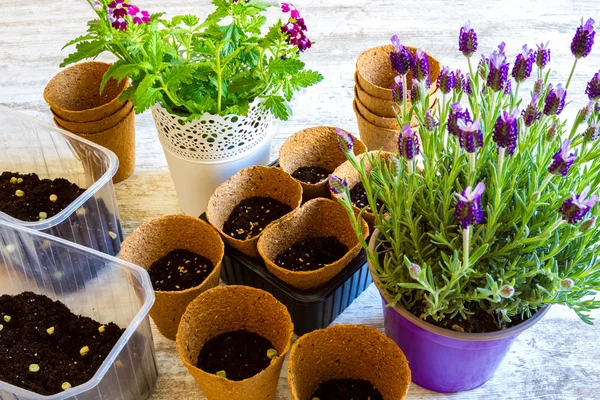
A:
(182, 255)
(311, 245)
(347, 362)
(244, 205)
(310, 155)
(233, 340)
(357, 191)
(47, 349)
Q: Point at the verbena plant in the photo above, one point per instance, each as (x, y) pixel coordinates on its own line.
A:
(490, 204)
(217, 66)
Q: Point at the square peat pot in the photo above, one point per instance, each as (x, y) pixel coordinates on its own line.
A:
(92, 220)
(114, 291)
(310, 310)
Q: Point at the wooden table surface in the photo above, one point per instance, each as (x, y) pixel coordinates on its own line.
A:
(557, 359)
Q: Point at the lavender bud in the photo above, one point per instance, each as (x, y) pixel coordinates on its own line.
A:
(498, 73)
(531, 114)
(338, 185)
(555, 101)
(506, 291)
(576, 207)
(567, 284)
(588, 224)
(593, 87)
(402, 58)
(523, 65)
(394, 165)
(408, 143)
(430, 121)
(552, 131)
(506, 131)
(415, 92)
(542, 55)
(538, 86)
(467, 40)
(586, 112)
(470, 136)
(459, 81)
(467, 84)
(456, 113)
(421, 67)
(345, 141)
(508, 87)
(414, 271)
(446, 81)
(468, 210)
(592, 132)
(481, 67)
(582, 43)
(397, 90)
(562, 160)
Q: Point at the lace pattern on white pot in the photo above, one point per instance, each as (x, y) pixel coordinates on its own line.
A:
(212, 137)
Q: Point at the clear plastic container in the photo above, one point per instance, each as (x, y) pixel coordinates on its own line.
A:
(30, 146)
(114, 291)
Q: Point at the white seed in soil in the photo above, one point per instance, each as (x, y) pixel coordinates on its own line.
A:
(53, 198)
(65, 386)
(43, 215)
(19, 180)
(19, 193)
(13, 180)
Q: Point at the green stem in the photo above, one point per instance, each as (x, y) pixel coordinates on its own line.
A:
(219, 80)
(472, 167)
(466, 247)
(571, 74)
(404, 98)
(515, 96)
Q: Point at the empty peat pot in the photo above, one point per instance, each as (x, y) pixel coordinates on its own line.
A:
(227, 309)
(375, 75)
(347, 172)
(74, 93)
(347, 352)
(314, 147)
(252, 182)
(318, 218)
(375, 137)
(155, 239)
(88, 128)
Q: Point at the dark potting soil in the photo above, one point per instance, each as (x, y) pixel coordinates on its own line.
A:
(347, 389)
(311, 254)
(241, 354)
(179, 270)
(35, 195)
(25, 343)
(311, 174)
(358, 195)
(252, 215)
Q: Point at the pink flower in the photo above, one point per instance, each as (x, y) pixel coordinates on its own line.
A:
(289, 7)
(118, 8)
(139, 17)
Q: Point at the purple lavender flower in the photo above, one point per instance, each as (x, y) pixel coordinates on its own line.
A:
(468, 210)
(139, 16)
(421, 67)
(562, 160)
(430, 121)
(552, 131)
(470, 136)
(508, 87)
(506, 131)
(467, 40)
(401, 59)
(498, 74)
(555, 101)
(586, 112)
(523, 65)
(593, 87)
(337, 185)
(289, 8)
(456, 114)
(118, 8)
(502, 48)
(345, 141)
(538, 86)
(397, 90)
(592, 132)
(415, 91)
(459, 81)
(446, 81)
(532, 114)
(467, 84)
(542, 55)
(482, 66)
(408, 143)
(584, 39)
(576, 207)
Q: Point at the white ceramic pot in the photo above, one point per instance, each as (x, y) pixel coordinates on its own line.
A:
(205, 152)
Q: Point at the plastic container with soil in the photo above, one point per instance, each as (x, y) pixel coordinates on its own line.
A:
(347, 352)
(114, 291)
(227, 309)
(155, 239)
(92, 220)
(314, 147)
(316, 219)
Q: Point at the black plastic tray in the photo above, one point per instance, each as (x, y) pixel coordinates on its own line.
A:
(310, 310)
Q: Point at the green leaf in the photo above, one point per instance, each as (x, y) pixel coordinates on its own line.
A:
(84, 50)
(288, 90)
(146, 95)
(278, 107)
(79, 39)
(174, 77)
(155, 50)
(304, 79)
(190, 20)
(288, 66)
(255, 25)
(243, 84)
(119, 71)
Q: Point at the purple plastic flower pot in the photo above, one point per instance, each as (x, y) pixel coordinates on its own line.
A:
(446, 361)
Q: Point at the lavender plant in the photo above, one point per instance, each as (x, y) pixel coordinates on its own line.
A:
(219, 66)
(491, 204)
